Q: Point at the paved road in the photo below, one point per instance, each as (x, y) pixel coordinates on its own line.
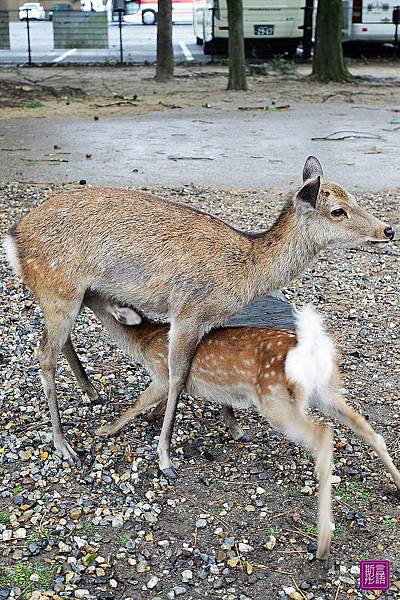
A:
(206, 147)
(139, 43)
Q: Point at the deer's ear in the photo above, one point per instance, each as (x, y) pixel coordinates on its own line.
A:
(309, 192)
(312, 169)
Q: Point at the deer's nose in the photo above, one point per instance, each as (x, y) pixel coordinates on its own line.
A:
(389, 232)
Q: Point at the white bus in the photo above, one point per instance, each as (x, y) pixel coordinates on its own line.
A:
(269, 25)
(369, 21)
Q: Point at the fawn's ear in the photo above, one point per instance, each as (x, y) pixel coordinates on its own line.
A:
(309, 192)
(312, 169)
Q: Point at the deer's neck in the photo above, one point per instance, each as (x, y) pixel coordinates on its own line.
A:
(282, 253)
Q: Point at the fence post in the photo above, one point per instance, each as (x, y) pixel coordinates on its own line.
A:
(29, 36)
(396, 21)
(308, 28)
(121, 50)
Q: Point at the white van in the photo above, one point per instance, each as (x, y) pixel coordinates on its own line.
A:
(278, 26)
(268, 25)
(145, 11)
(369, 21)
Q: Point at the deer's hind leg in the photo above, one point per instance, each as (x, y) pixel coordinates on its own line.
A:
(60, 314)
(352, 419)
(78, 370)
(285, 413)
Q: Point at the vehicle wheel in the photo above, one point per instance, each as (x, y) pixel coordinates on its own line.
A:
(199, 41)
(291, 49)
(149, 17)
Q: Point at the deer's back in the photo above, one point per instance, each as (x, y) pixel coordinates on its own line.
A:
(132, 245)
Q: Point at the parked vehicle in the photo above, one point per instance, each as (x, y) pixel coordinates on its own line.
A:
(269, 25)
(368, 21)
(145, 11)
(61, 6)
(36, 11)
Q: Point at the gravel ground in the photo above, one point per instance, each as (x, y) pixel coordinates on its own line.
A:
(240, 521)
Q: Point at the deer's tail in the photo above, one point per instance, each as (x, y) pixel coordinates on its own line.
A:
(312, 362)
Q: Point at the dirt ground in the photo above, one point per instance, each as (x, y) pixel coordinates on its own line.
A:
(27, 92)
(240, 522)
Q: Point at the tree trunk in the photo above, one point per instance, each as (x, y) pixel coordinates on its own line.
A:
(165, 52)
(237, 62)
(328, 63)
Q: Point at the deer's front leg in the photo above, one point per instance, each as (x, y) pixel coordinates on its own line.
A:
(183, 339)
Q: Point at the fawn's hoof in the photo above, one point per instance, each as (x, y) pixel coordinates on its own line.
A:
(170, 473)
(92, 393)
(103, 430)
(154, 415)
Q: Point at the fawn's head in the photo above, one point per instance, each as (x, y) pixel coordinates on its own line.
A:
(333, 216)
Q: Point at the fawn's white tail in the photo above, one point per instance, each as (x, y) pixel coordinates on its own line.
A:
(312, 361)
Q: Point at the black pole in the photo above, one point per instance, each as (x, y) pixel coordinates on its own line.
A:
(29, 36)
(307, 28)
(121, 51)
(396, 19)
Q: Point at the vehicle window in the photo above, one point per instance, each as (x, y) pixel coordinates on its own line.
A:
(131, 7)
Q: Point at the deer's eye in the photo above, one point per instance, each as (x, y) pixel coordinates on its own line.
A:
(339, 212)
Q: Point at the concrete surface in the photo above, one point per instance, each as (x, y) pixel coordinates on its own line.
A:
(207, 147)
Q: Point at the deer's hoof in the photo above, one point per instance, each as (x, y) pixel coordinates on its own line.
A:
(170, 473)
(66, 452)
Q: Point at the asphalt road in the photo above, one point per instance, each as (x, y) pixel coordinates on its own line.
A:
(206, 147)
(139, 45)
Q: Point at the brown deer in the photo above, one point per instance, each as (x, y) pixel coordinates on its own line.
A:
(278, 372)
(170, 262)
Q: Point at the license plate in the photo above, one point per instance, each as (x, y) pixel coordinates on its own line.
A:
(263, 29)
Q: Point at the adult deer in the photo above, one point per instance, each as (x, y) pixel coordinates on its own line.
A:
(171, 262)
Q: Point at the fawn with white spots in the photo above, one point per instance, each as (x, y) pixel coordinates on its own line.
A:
(277, 372)
(172, 262)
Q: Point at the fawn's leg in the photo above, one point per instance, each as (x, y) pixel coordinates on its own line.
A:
(346, 415)
(77, 368)
(229, 418)
(232, 425)
(287, 416)
(152, 396)
(60, 316)
(158, 411)
(183, 339)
